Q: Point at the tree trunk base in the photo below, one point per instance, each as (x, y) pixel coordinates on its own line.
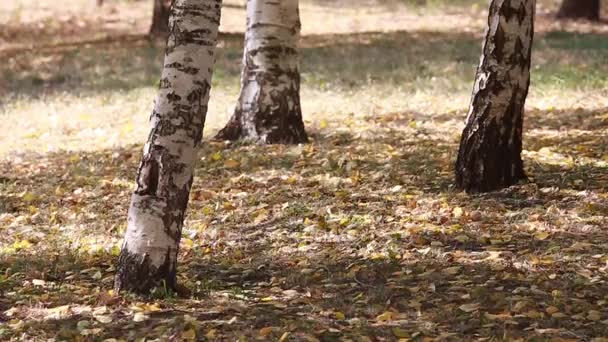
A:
(134, 273)
(490, 182)
(293, 134)
(278, 125)
(489, 161)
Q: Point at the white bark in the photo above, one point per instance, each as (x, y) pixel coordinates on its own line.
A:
(158, 205)
(269, 110)
(513, 34)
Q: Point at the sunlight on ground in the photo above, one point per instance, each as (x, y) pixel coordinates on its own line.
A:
(359, 233)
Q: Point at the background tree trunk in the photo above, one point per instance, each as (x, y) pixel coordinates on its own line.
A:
(490, 148)
(156, 213)
(268, 109)
(580, 9)
(160, 18)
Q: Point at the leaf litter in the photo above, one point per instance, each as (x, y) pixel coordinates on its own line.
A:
(358, 233)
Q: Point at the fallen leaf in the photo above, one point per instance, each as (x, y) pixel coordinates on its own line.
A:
(385, 316)
(266, 331)
(188, 335)
(469, 307)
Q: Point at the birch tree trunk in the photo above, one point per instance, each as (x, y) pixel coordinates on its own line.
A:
(158, 204)
(580, 9)
(490, 148)
(268, 110)
(160, 18)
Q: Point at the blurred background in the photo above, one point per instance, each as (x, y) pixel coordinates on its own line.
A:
(77, 75)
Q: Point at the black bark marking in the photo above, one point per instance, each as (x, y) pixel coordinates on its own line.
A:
(148, 178)
(134, 272)
(180, 67)
(499, 42)
(173, 97)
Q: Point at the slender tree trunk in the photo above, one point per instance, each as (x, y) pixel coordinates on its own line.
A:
(156, 213)
(490, 148)
(268, 110)
(160, 18)
(580, 9)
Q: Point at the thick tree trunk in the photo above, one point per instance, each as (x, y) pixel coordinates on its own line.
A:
(156, 213)
(268, 110)
(490, 148)
(580, 9)
(160, 18)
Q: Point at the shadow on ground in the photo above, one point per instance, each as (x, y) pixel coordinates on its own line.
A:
(357, 234)
(413, 61)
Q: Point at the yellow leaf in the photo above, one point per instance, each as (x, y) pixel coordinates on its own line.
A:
(401, 333)
(457, 212)
(127, 128)
(260, 216)
(533, 314)
(323, 124)
(541, 236)
(29, 197)
(265, 331)
(551, 310)
(267, 299)
(386, 316)
(188, 243)
(189, 335)
(23, 244)
(151, 307)
(216, 156)
(339, 315)
(462, 238)
(284, 336)
(211, 334)
(85, 117)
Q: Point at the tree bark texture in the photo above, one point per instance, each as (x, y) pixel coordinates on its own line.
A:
(490, 148)
(160, 18)
(268, 109)
(158, 204)
(580, 9)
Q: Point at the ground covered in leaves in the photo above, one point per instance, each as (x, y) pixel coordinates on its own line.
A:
(358, 235)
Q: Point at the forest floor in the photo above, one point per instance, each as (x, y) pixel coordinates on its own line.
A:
(358, 235)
